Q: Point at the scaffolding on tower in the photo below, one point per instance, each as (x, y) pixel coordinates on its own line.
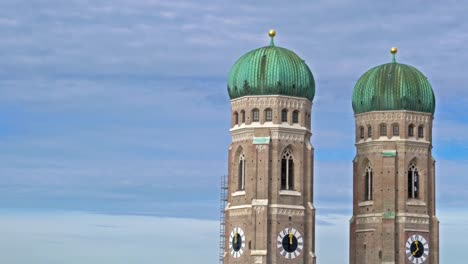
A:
(222, 223)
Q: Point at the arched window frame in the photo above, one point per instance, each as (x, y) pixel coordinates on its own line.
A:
(241, 172)
(287, 170)
(361, 132)
(268, 115)
(295, 117)
(411, 130)
(236, 118)
(368, 183)
(383, 130)
(396, 130)
(255, 115)
(369, 131)
(413, 181)
(421, 131)
(284, 115)
(242, 114)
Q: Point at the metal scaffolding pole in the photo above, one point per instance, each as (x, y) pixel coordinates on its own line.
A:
(222, 218)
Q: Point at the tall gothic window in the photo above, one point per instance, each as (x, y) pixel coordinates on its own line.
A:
(295, 117)
(411, 131)
(287, 171)
(284, 115)
(368, 183)
(413, 181)
(255, 115)
(396, 130)
(361, 132)
(383, 130)
(420, 131)
(268, 115)
(242, 116)
(369, 131)
(241, 172)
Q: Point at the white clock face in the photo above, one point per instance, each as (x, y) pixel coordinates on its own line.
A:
(237, 242)
(290, 243)
(417, 249)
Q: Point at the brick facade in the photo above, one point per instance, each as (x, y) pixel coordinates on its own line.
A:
(381, 226)
(263, 209)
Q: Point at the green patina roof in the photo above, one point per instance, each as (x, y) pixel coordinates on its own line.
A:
(271, 70)
(393, 86)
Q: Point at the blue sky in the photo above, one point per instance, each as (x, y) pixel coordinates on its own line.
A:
(120, 107)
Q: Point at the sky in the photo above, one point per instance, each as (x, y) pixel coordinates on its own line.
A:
(116, 113)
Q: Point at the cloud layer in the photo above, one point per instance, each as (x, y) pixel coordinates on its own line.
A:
(121, 106)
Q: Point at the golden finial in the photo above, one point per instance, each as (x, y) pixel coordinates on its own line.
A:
(272, 33)
(393, 51)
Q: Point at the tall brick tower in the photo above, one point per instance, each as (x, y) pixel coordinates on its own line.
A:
(394, 217)
(270, 216)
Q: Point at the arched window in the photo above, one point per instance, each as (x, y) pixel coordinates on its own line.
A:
(242, 114)
(295, 117)
(236, 118)
(369, 131)
(268, 115)
(255, 115)
(413, 181)
(420, 132)
(411, 130)
(284, 115)
(241, 172)
(383, 130)
(368, 183)
(396, 130)
(361, 132)
(287, 170)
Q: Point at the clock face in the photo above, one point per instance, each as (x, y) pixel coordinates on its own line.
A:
(237, 242)
(290, 243)
(417, 249)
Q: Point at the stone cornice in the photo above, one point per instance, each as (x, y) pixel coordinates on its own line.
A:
(277, 132)
(273, 101)
(393, 116)
(372, 147)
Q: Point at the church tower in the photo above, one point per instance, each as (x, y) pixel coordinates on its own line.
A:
(394, 215)
(270, 217)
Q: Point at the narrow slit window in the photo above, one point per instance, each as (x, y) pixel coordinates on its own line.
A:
(369, 131)
(361, 132)
(368, 183)
(236, 118)
(243, 116)
(241, 174)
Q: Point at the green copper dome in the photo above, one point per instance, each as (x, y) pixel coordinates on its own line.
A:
(271, 70)
(393, 86)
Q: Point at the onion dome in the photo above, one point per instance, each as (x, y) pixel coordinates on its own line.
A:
(393, 86)
(271, 70)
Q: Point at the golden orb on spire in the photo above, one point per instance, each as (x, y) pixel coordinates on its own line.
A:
(272, 33)
(393, 50)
